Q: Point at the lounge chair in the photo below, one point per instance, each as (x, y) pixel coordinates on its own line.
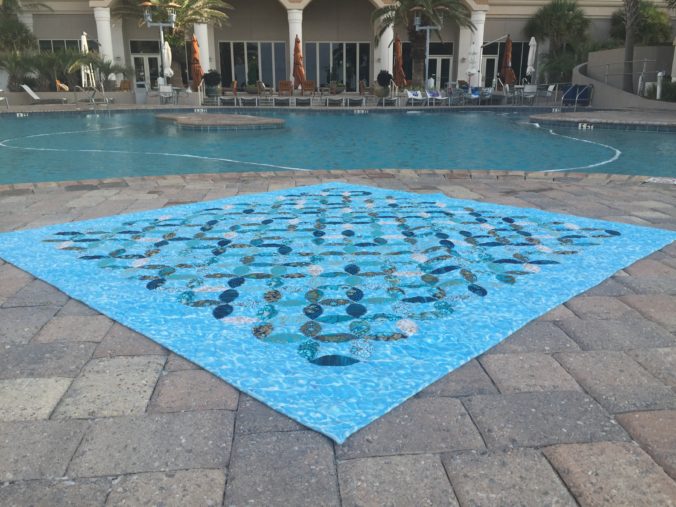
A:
(38, 100)
(529, 93)
(416, 97)
(474, 95)
(281, 101)
(434, 96)
(285, 88)
(334, 101)
(355, 102)
(308, 88)
(166, 94)
(388, 101)
(486, 95)
(227, 101)
(509, 94)
(303, 101)
(248, 101)
(4, 99)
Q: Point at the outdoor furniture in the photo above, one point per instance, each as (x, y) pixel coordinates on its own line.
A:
(227, 101)
(529, 93)
(248, 101)
(474, 95)
(334, 101)
(388, 102)
(281, 101)
(435, 96)
(263, 90)
(125, 85)
(4, 99)
(416, 97)
(309, 88)
(167, 96)
(486, 95)
(38, 100)
(355, 102)
(303, 101)
(285, 88)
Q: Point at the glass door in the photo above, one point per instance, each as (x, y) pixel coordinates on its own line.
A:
(440, 70)
(147, 69)
(489, 67)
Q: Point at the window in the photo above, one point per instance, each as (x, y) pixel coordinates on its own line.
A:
(248, 62)
(345, 62)
(144, 46)
(51, 45)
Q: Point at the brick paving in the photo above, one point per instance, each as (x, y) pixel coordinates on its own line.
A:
(577, 407)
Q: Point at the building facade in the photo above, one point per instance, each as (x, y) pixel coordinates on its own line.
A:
(338, 39)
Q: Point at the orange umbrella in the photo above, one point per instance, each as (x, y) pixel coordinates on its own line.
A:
(399, 74)
(197, 71)
(508, 76)
(298, 68)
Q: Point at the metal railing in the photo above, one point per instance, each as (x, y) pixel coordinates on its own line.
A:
(612, 73)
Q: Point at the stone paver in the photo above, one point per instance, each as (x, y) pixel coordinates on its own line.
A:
(292, 468)
(419, 425)
(37, 449)
(516, 373)
(74, 328)
(170, 489)
(612, 473)
(177, 363)
(13, 279)
(23, 399)
(75, 308)
(617, 382)
(395, 481)
(36, 293)
(122, 341)
(656, 307)
(467, 380)
(112, 387)
(66, 492)
(192, 390)
(660, 362)
(19, 325)
(154, 443)
(655, 431)
(505, 477)
(536, 337)
(255, 417)
(608, 288)
(651, 284)
(649, 267)
(44, 360)
(600, 307)
(537, 419)
(617, 335)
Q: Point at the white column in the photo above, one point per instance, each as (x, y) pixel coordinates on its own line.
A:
(201, 31)
(119, 49)
(383, 53)
(27, 19)
(469, 49)
(104, 33)
(295, 28)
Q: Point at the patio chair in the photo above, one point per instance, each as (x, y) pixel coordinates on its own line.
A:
(388, 102)
(529, 93)
(263, 91)
(474, 95)
(303, 101)
(227, 101)
(334, 101)
(4, 99)
(486, 95)
(166, 94)
(434, 96)
(308, 88)
(38, 100)
(281, 101)
(248, 101)
(355, 102)
(510, 96)
(416, 97)
(285, 88)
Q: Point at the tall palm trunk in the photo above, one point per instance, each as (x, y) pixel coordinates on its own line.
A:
(418, 41)
(631, 13)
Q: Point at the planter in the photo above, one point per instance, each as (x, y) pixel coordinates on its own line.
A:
(380, 91)
(212, 91)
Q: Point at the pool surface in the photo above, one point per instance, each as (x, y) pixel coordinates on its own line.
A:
(108, 145)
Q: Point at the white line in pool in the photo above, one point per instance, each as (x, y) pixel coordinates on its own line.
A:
(4, 144)
(590, 166)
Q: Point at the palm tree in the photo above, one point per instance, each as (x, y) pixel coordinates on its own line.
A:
(188, 13)
(564, 24)
(17, 66)
(432, 13)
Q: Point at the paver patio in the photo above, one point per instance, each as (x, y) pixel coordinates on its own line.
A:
(578, 406)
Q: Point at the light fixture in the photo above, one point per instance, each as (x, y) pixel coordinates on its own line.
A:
(171, 21)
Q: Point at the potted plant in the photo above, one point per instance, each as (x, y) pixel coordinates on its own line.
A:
(212, 80)
(381, 88)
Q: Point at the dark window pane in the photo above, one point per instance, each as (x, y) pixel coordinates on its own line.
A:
(240, 69)
(350, 67)
(491, 49)
(280, 62)
(74, 44)
(266, 64)
(408, 59)
(439, 48)
(144, 46)
(337, 64)
(58, 45)
(252, 62)
(226, 64)
(45, 46)
(445, 75)
(311, 61)
(365, 62)
(324, 63)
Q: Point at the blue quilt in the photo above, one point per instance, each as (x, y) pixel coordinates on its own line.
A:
(331, 303)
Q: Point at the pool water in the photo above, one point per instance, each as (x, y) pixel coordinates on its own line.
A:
(108, 145)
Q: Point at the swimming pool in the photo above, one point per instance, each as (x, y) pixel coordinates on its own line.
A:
(108, 145)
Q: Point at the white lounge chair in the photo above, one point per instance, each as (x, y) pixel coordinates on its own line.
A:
(4, 99)
(416, 97)
(435, 96)
(38, 100)
(529, 93)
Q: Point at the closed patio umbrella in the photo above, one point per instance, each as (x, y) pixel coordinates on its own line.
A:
(532, 50)
(399, 74)
(508, 76)
(86, 71)
(298, 67)
(196, 66)
(166, 60)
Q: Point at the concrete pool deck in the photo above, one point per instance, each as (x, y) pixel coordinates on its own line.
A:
(578, 407)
